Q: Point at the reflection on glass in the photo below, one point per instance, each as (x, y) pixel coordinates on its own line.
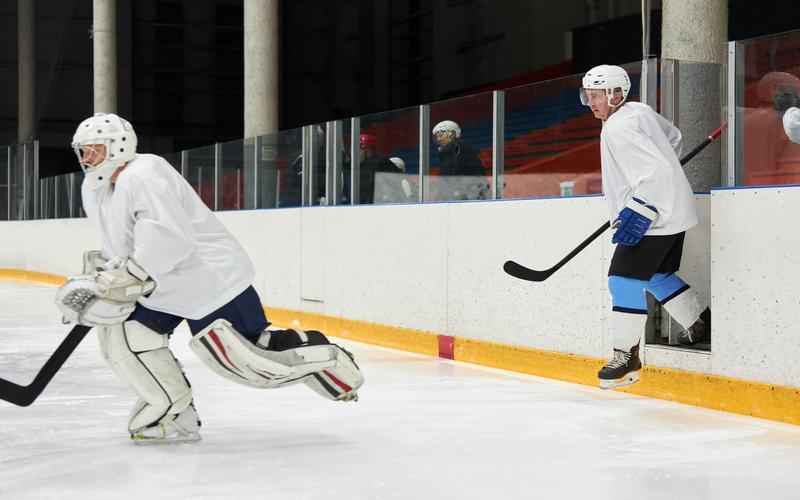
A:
(232, 175)
(552, 141)
(316, 189)
(200, 172)
(771, 86)
(461, 149)
(279, 168)
(22, 183)
(388, 157)
(4, 185)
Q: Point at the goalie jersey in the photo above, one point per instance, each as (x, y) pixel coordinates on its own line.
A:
(639, 156)
(155, 217)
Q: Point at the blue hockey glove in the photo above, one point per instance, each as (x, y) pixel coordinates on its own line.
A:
(633, 222)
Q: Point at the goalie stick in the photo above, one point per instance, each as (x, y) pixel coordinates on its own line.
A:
(525, 273)
(24, 395)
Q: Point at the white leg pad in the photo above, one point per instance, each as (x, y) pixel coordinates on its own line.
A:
(341, 381)
(141, 357)
(234, 357)
(685, 308)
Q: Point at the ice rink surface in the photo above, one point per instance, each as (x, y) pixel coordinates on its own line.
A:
(425, 428)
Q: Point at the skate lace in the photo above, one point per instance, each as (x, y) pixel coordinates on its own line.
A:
(621, 358)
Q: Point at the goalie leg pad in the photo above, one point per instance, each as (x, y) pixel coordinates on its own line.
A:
(141, 357)
(232, 356)
(340, 382)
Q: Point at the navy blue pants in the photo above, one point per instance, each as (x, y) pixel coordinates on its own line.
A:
(244, 312)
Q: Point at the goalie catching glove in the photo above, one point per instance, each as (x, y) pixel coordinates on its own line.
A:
(106, 297)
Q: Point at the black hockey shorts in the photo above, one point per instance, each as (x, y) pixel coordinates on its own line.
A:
(654, 254)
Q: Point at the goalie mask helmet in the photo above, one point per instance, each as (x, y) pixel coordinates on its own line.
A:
(111, 131)
(606, 77)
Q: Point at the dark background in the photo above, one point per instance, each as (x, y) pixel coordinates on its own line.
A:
(181, 61)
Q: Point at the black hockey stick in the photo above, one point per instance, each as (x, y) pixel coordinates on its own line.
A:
(24, 395)
(525, 273)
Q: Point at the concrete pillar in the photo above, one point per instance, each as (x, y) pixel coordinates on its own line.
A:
(26, 66)
(695, 33)
(104, 36)
(261, 25)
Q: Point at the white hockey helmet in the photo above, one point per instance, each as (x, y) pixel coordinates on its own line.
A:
(116, 134)
(399, 163)
(447, 126)
(606, 77)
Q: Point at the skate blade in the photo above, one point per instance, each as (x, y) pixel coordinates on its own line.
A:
(628, 379)
(157, 441)
(350, 396)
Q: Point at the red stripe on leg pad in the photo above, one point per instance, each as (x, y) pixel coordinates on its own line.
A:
(221, 347)
(342, 385)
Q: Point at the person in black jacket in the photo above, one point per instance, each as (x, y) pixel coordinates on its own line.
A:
(458, 159)
(371, 163)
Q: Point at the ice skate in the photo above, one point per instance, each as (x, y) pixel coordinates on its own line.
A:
(181, 428)
(622, 370)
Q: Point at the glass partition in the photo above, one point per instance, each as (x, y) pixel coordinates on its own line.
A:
(317, 149)
(23, 182)
(200, 172)
(279, 167)
(232, 168)
(342, 181)
(767, 84)
(388, 163)
(461, 149)
(47, 209)
(552, 141)
(5, 172)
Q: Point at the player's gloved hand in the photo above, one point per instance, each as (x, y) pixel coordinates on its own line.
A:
(633, 222)
(106, 297)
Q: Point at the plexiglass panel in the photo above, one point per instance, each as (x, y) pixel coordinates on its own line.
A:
(461, 149)
(279, 168)
(232, 169)
(767, 86)
(552, 141)
(388, 157)
(200, 172)
(5, 200)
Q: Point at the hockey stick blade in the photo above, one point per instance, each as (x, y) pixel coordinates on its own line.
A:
(24, 395)
(525, 273)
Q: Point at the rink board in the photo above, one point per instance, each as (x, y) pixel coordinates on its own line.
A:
(420, 277)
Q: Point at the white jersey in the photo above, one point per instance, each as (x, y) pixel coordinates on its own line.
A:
(154, 216)
(639, 157)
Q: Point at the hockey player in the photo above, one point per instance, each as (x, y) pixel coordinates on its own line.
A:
(165, 257)
(651, 207)
(458, 159)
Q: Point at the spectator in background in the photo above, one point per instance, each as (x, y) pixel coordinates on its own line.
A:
(370, 164)
(458, 159)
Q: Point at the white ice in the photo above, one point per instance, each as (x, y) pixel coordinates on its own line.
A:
(424, 429)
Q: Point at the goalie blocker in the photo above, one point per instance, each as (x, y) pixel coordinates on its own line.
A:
(280, 358)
